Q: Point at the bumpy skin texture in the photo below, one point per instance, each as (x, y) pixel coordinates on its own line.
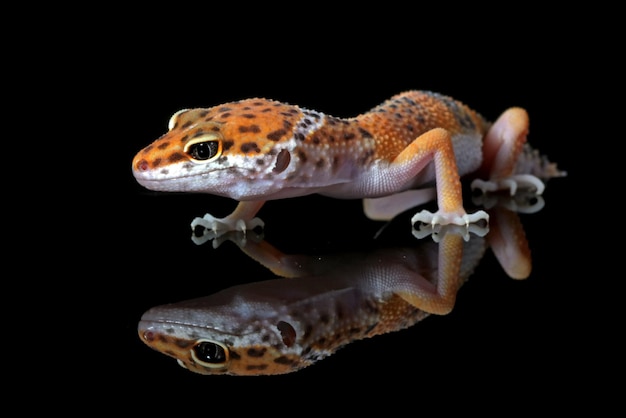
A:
(258, 149)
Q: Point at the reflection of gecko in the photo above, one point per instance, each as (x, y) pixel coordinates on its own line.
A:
(257, 150)
(282, 325)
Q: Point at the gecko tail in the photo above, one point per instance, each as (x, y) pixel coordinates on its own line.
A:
(531, 161)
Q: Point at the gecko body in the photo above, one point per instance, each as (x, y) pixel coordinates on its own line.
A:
(256, 150)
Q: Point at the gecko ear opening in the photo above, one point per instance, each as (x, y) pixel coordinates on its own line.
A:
(287, 332)
(282, 161)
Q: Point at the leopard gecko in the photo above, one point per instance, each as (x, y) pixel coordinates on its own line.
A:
(255, 150)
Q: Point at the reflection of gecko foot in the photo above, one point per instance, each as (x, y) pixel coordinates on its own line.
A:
(437, 231)
(445, 218)
(512, 184)
(523, 201)
(212, 227)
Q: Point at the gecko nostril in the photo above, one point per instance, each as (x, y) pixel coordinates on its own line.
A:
(143, 165)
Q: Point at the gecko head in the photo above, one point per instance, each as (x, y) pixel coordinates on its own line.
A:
(213, 350)
(233, 149)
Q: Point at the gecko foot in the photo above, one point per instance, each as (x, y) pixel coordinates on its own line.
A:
(511, 183)
(213, 227)
(432, 222)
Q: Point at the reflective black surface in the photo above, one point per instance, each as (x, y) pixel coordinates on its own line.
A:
(504, 338)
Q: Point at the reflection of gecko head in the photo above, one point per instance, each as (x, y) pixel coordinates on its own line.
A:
(208, 338)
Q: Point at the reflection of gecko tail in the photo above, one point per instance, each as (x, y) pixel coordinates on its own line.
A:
(507, 240)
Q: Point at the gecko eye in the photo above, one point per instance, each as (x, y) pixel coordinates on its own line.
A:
(172, 123)
(209, 353)
(203, 149)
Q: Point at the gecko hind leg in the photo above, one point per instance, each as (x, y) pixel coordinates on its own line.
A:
(502, 147)
(436, 145)
(439, 298)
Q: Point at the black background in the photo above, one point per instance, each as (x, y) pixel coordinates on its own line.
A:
(515, 341)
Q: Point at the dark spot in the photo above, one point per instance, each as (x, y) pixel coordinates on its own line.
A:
(316, 140)
(267, 109)
(147, 149)
(226, 145)
(249, 146)
(409, 127)
(224, 109)
(307, 121)
(283, 360)
(177, 156)
(252, 128)
(320, 163)
(300, 136)
(370, 328)
(365, 133)
(302, 156)
(348, 135)
(156, 162)
(258, 104)
(184, 138)
(163, 145)
(276, 135)
(234, 355)
(307, 331)
(248, 115)
(182, 343)
(254, 352)
(287, 114)
(225, 115)
(203, 113)
(187, 124)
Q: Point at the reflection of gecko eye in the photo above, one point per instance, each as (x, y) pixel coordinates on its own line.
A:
(203, 149)
(209, 353)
